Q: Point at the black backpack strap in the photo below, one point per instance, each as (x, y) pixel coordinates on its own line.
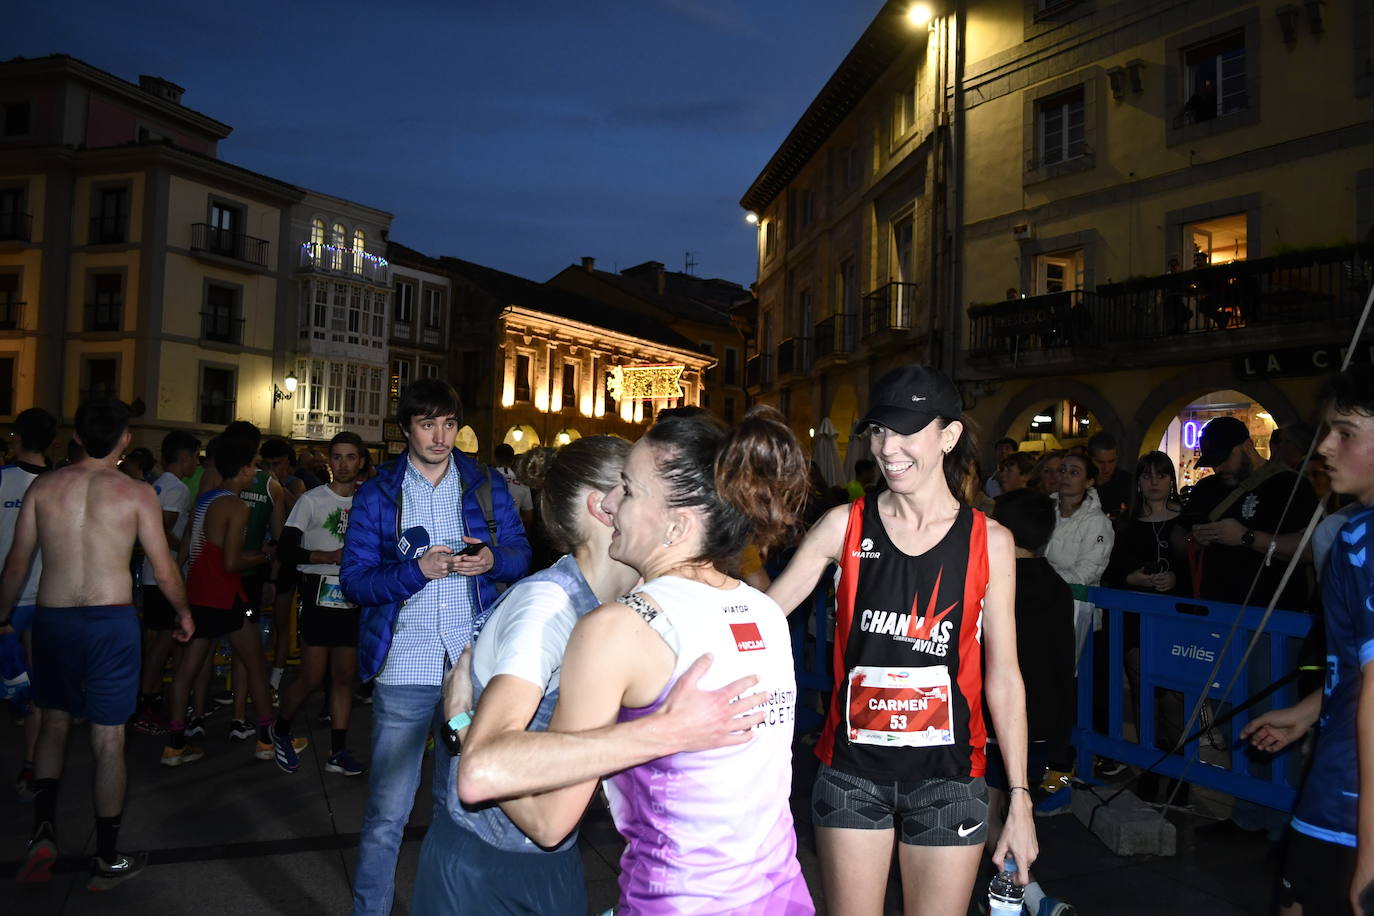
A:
(483, 494)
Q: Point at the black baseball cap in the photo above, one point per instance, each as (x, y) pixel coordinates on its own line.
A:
(1219, 436)
(906, 399)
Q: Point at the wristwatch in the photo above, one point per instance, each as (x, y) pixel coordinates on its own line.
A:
(451, 729)
(1248, 538)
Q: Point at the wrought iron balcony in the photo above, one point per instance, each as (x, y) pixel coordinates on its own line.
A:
(233, 245)
(346, 262)
(756, 371)
(16, 227)
(834, 336)
(221, 327)
(1279, 295)
(888, 308)
(11, 314)
(794, 355)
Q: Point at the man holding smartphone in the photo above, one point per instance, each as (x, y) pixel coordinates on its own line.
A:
(421, 602)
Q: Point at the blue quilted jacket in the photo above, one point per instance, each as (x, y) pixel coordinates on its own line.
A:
(375, 577)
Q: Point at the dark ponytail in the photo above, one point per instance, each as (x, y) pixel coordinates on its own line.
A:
(749, 483)
(960, 460)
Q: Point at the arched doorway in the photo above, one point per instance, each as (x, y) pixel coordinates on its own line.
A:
(1053, 424)
(466, 441)
(521, 438)
(1177, 431)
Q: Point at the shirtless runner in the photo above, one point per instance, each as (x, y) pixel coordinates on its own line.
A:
(85, 518)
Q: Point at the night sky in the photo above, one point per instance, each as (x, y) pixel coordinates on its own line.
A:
(520, 135)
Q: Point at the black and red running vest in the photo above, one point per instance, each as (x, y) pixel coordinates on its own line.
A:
(908, 668)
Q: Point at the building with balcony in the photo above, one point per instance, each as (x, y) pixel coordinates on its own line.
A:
(1183, 229)
(337, 319)
(1127, 217)
(845, 215)
(696, 308)
(539, 365)
(133, 261)
(418, 342)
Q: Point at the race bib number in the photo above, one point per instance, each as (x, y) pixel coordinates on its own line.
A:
(329, 594)
(900, 707)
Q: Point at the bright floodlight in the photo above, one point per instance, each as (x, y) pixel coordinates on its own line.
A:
(919, 13)
(751, 218)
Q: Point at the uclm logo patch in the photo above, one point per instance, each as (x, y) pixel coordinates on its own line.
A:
(747, 636)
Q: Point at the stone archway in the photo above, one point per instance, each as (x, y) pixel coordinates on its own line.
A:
(1039, 391)
(1164, 402)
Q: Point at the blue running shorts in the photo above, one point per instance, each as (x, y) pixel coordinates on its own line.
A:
(86, 661)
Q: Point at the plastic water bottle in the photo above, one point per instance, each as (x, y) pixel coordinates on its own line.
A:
(1004, 894)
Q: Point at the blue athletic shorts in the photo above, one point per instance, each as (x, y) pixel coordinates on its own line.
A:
(460, 873)
(86, 661)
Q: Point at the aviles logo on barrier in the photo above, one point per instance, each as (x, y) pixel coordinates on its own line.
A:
(1195, 652)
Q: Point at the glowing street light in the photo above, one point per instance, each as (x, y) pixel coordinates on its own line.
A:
(919, 13)
(751, 218)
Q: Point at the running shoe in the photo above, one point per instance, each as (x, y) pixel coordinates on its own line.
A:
(1056, 803)
(149, 723)
(240, 730)
(343, 763)
(176, 756)
(195, 728)
(1055, 780)
(286, 751)
(1107, 768)
(23, 786)
(1051, 907)
(107, 875)
(37, 867)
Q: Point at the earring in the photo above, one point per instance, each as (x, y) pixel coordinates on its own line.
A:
(668, 543)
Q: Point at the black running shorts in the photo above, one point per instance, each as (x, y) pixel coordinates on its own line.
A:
(326, 626)
(930, 812)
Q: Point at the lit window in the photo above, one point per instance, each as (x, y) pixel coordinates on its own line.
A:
(1059, 272)
(1216, 241)
(359, 247)
(338, 237)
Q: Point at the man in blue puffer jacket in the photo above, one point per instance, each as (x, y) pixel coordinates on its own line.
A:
(428, 541)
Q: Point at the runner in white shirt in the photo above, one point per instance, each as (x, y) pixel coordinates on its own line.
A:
(314, 534)
(33, 433)
(521, 494)
(180, 457)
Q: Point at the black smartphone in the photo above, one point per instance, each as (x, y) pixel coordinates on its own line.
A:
(470, 550)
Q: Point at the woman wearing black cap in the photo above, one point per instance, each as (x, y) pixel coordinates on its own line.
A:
(926, 589)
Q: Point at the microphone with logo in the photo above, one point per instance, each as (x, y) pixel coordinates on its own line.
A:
(412, 543)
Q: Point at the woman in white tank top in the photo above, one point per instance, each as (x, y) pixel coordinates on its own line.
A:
(702, 784)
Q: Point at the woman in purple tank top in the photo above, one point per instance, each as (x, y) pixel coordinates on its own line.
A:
(683, 689)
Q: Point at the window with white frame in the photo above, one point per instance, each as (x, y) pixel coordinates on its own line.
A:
(429, 370)
(1061, 122)
(400, 375)
(1059, 271)
(434, 307)
(359, 249)
(1215, 78)
(405, 302)
(904, 111)
(316, 238)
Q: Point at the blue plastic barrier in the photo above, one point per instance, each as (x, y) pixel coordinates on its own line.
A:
(1180, 640)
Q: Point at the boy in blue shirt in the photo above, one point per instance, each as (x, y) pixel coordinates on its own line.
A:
(1330, 858)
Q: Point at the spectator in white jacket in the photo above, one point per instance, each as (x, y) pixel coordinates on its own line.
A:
(1082, 541)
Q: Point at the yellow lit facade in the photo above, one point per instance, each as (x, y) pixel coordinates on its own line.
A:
(1126, 218)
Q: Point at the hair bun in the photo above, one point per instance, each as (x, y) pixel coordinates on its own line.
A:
(761, 471)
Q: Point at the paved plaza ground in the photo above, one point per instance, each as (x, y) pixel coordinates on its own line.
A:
(233, 835)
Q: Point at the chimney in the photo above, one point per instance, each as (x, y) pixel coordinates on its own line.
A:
(161, 88)
(589, 264)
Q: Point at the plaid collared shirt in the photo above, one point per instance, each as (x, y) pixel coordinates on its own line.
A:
(436, 623)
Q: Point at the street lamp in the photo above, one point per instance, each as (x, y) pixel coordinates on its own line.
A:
(278, 395)
(919, 14)
(751, 218)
